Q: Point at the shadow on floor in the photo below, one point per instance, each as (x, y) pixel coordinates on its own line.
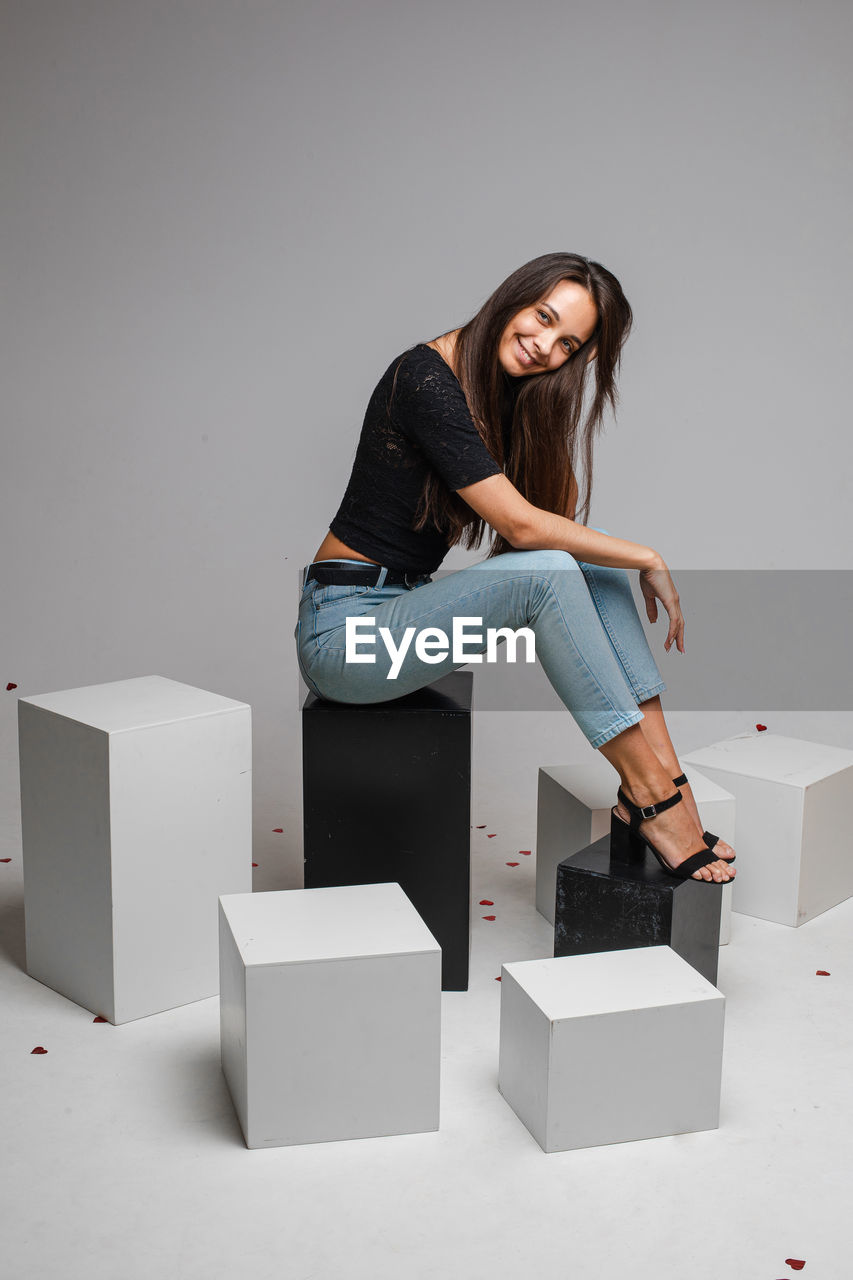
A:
(12, 940)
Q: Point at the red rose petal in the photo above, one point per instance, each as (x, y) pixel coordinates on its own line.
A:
(481, 826)
(794, 1263)
(513, 864)
(497, 979)
(5, 859)
(822, 973)
(10, 686)
(278, 831)
(99, 1019)
(38, 1049)
(486, 902)
(490, 917)
(254, 864)
(761, 728)
(526, 852)
(491, 835)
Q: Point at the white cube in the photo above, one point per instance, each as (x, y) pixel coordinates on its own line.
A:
(610, 1047)
(330, 1014)
(575, 801)
(136, 809)
(793, 800)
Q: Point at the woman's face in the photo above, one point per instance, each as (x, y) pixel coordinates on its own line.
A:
(543, 336)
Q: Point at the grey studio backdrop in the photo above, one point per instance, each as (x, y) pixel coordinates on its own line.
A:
(221, 220)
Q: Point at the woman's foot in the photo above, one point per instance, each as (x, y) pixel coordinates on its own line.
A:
(656, 734)
(721, 849)
(676, 834)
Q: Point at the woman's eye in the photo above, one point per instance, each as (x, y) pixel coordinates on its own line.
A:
(543, 315)
(567, 345)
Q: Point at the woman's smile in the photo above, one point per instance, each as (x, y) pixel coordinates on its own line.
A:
(523, 354)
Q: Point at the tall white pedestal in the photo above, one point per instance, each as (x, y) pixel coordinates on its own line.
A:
(610, 1047)
(136, 814)
(330, 1014)
(793, 805)
(575, 801)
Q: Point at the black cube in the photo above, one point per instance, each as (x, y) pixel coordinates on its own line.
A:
(607, 905)
(387, 797)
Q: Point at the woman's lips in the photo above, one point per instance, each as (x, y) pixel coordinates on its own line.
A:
(524, 355)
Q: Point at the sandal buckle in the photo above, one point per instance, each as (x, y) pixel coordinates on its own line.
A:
(648, 811)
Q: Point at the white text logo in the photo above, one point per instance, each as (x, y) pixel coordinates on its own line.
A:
(433, 645)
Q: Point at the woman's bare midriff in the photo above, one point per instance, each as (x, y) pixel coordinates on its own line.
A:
(331, 548)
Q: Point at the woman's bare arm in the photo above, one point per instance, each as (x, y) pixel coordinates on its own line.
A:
(529, 528)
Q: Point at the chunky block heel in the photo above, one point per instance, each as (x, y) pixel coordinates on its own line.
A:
(625, 846)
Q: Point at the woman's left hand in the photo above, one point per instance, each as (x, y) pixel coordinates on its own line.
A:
(657, 584)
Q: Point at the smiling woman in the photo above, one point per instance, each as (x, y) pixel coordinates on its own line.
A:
(488, 426)
(539, 339)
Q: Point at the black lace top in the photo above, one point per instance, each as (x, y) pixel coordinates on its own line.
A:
(424, 425)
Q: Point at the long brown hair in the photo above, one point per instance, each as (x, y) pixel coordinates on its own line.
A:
(535, 427)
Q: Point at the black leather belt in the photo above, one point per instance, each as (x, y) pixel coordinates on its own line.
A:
(329, 573)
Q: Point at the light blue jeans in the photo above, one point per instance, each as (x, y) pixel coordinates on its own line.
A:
(588, 635)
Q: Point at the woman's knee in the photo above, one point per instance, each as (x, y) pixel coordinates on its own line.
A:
(547, 560)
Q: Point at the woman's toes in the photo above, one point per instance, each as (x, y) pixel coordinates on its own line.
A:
(724, 851)
(718, 872)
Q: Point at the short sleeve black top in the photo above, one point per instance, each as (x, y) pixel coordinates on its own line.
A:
(417, 421)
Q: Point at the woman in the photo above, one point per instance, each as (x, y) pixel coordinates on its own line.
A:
(485, 425)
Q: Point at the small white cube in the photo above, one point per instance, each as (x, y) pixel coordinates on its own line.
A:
(575, 801)
(610, 1047)
(793, 806)
(330, 1014)
(136, 809)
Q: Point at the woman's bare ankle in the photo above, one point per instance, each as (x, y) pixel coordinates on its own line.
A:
(644, 778)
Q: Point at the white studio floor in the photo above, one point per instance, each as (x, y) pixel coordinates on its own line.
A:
(123, 1160)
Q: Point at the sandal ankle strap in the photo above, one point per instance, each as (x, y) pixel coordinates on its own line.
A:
(639, 812)
(680, 780)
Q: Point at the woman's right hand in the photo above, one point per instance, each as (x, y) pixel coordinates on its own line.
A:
(657, 584)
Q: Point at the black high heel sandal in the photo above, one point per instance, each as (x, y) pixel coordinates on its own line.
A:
(627, 842)
(708, 836)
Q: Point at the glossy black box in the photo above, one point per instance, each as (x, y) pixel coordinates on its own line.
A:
(607, 905)
(387, 797)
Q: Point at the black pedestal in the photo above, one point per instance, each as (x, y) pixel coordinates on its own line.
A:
(604, 905)
(387, 797)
